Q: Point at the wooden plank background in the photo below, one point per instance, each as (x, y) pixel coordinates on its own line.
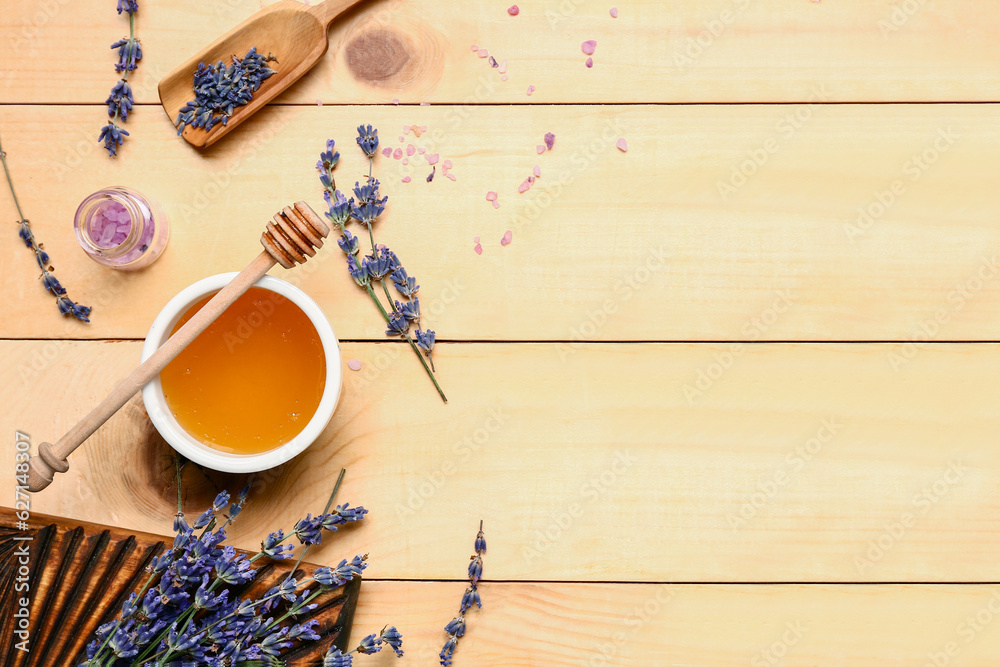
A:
(726, 398)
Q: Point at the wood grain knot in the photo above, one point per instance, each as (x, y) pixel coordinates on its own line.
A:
(377, 55)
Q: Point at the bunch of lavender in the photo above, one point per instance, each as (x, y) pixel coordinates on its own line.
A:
(456, 628)
(186, 613)
(381, 265)
(219, 89)
(66, 305)
(120, 100)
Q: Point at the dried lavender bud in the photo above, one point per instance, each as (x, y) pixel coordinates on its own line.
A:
(219, 90)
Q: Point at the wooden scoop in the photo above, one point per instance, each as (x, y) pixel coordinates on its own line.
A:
(295, 33)
(291, 239)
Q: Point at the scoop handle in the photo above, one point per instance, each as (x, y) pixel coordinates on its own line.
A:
(330, 9)
(52, 458)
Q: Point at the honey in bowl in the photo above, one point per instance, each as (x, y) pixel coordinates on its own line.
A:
(221, 388)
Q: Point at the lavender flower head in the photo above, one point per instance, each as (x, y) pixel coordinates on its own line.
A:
(368, 206)
(129, 54)
(457, 626)
(368, 140)
(120, 100)
(130, 6)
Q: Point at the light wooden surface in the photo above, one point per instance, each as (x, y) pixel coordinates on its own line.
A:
(697, 379)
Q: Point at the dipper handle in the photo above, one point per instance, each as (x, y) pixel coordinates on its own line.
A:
(290, 239)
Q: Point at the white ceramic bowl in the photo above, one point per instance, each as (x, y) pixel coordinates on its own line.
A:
(192, 448)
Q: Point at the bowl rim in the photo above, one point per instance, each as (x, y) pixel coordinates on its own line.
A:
(183, 442)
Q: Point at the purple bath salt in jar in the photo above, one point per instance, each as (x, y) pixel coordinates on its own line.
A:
(120, 228)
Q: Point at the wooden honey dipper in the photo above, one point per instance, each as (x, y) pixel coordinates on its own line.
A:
(290, 239)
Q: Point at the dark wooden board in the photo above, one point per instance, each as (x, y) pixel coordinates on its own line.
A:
(79, 574)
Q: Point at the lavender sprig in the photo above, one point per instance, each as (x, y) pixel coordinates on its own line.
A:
(456, 627)
(66, 305)
(120, 101)
(186, 613)
(382, 265)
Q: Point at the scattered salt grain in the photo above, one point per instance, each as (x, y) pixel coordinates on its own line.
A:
(503, 67)
(406, 179)
(406, 160)
(537, 171)
(475, 48)
(423, 128)
(531, 180)
(496, 204)
(540, 148)
(398, 153)
(319, 102)
(550, 140)
(475, 239)
(483, 53)
(478, 249)
(503, 78)
(531, 89)
(387, 152)
(622, 145)
(513, 10)
(425, 104)
(401, 139)
(417, 131)
(590, 62)
(523, 187)
(507, 236)
(446, 165)
(406, 130)
(395, 101)
(354, 364)
(491, 196)
(421, 150)
(433, 158)
(589, 46)
(451, 176)
(410, 149)
(614, 12)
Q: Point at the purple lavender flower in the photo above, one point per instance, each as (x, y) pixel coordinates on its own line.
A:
(120, 100)
(369, 645)
(334, 658)
(272, 547)
(448, 651)
(470, 598)
(405, 285)
(368, 140)
(349, 243)
(377, 266)
(357, 272)
(409, 309)
(397, 325)
(308, 530)
(425, 340)
(129, 54)
(340, 207)
(456, 626)
(368, 207)
(220, 89)
(476, 568)
(480, 543)
(113, 137)
(392, 637)
(130, 6)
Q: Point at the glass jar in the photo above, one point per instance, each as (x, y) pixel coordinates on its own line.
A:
(120, 228)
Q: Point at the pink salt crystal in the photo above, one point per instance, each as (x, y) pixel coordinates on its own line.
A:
(531, 89)
(406, 160)
(421, 150)
(503, 67)
(540, 148)
(406, 130)
(423, 128)
(410, 149)
(475, 48)
(531, 180)
(503, 78)
(483, 53)
(401, 140)
(590, 62)
(614, 12)
(491, 196)
(550, 140)
(446, 165)
(354, 364)
(496, 204)
(319, 102)
(523, 187)
(537, 171)
(475, 239)
(425, 104)
(387, 152)
(398, 153)
(513, 10)
(433, 159)
(622, 145)
(589, 46)
(395, 101)
(406, 179)
(451, 176)
(478, 249)
(507, 236)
